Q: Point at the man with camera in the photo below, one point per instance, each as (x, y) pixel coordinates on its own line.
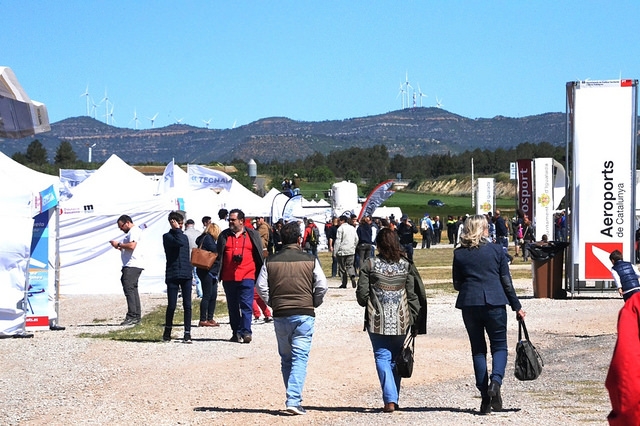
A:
(240, 249)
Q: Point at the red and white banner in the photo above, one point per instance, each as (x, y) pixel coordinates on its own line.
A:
(525, 187)
(603, 219)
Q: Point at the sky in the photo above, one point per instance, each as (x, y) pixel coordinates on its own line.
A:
(234, 62)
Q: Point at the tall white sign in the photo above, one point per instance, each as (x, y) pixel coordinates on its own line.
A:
(486, 196)
(543, 202)
(603, 210)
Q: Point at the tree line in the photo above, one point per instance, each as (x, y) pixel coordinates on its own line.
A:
(372, 164)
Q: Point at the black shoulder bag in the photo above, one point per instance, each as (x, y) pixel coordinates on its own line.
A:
(404, 360)
(529, 363)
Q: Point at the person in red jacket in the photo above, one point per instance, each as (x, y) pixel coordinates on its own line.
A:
(623, 378)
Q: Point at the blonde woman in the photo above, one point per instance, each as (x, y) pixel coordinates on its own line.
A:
(209, 239)
(481, 275)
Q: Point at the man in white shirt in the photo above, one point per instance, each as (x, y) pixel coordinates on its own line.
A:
(131, 267)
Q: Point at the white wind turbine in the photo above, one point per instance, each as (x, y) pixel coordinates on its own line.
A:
(407, 86)
(152, 119)
(86, 95)
(178, 120)
(106, 99)
(439, 103)
(94, 108)
(113, 119)
(401, 93)
(90, 148)
(206, 123)
(135, 118)
(422, 95)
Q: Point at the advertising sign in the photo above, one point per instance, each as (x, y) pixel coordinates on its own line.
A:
(604, 125)
(486, 196)
(525, 187)
(543, 210)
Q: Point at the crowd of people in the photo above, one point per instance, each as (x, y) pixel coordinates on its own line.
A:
(274, 271)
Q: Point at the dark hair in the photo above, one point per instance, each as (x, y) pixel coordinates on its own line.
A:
(615, 256)
(190, 222)
(344, 218)
(239, 212)
(124, 219)
(388, 244)
(206, 219)
(290, 233)
(176, 216)
(222, 213)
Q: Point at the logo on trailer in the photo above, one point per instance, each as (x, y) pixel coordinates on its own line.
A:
(596, 257)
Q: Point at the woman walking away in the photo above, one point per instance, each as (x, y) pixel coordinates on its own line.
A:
(481, 275)
(208, 278)
(387, 288)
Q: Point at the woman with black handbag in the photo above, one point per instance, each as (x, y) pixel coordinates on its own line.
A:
(481, 275)
(387, 288)
(208, 241)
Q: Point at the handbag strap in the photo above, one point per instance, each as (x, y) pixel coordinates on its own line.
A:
(409, 340)
(204, 235)
(521, 327)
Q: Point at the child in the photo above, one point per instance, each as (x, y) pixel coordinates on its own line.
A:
(625, 275)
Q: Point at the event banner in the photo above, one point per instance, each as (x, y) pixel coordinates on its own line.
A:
(203, 177)
(486, 196)
(543, 188)
(525, 187)
(604, 153)
(40, 275)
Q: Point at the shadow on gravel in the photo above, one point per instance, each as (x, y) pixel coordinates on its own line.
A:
(244, 410)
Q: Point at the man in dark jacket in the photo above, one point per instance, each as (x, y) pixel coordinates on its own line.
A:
(178, 275)
(406, 229)
(293, 283)
(240, 251)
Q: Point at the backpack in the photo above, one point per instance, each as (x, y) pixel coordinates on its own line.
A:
(313, 236)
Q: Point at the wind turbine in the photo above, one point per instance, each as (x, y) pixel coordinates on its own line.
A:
(135, 118)
(407, 86)
(90, 147)
(153, 119)
(422, 95)
(438, 102)
(94, 108)
(178, 120)
(106, 99)
(206, 123)
(401, 93)
(113, 119)
(234, 124)
(86, 95)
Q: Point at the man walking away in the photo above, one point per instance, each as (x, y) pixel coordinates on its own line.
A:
(131, 267)
(293, 283)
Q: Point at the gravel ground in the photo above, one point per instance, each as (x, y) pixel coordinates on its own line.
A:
(60, 378)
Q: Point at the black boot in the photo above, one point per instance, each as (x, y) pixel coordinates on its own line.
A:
(344, 282)
(166, 336)
(494, 393)
(485, 405)
(353, 282)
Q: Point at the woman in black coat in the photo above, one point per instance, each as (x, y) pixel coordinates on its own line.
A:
(208, 277)
(481, 275)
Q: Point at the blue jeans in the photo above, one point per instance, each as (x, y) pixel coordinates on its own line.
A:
(172, 300)
(408, 248)
(385, 349)
(209, 295)
(493, 320)
(240, 303)
(196, 281)
(294, 335)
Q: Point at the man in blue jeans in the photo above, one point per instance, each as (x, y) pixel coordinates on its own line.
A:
(293, 284)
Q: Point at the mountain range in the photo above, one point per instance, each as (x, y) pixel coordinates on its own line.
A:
(409, 132)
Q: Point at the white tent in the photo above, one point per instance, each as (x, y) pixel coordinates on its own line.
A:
(20, 196)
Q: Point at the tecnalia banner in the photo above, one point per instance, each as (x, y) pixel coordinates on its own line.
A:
(525, 187)
(486, 196)
(603, 215)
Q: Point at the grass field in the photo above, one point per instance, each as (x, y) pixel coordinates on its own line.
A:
(415, 203)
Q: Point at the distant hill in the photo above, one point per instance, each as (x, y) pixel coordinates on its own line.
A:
(414, 131)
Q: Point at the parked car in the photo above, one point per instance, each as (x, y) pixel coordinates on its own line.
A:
(435, 203)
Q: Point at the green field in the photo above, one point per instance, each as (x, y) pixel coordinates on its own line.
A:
(415, 203)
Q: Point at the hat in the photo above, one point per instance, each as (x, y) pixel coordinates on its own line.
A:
(404, 217)
(309, 220)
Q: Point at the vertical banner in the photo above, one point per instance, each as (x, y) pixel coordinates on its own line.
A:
(40, 275)
(604, 153)
(486, 196)
(543, 189)
(525, 187)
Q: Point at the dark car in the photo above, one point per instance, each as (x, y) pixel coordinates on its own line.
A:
(436, 203)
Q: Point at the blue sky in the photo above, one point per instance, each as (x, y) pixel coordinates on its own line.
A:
(240, 61)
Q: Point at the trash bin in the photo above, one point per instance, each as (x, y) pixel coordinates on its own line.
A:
(548, 264)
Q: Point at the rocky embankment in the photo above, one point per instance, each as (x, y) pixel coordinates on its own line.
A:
(462, 187)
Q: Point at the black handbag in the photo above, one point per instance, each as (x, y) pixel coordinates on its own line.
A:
(529, 363)
(404, 360)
